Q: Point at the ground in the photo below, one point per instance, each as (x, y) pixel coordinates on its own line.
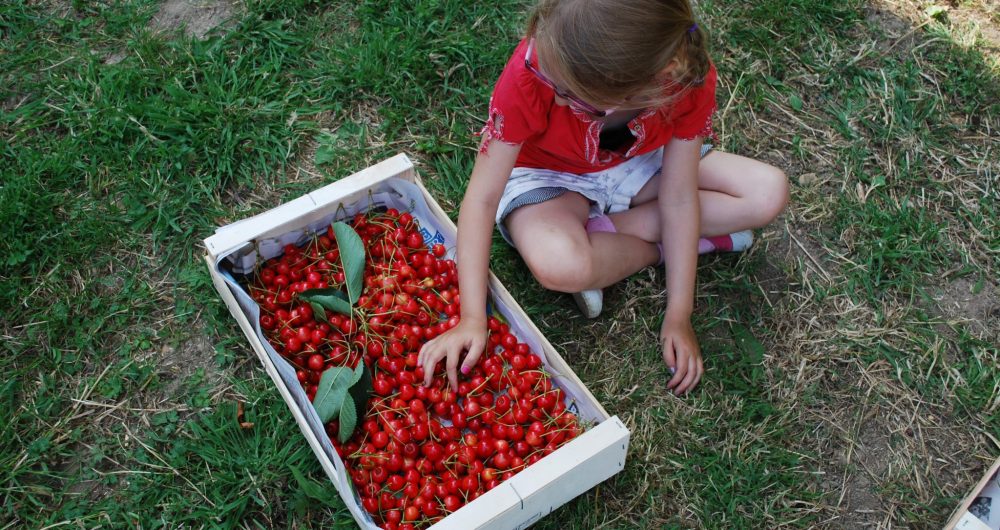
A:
(852, 353)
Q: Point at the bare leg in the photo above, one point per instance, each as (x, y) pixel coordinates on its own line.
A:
(563, 257)
(736, 193)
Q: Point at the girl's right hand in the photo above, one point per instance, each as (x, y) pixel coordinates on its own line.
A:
(681, 353)
(468, 336)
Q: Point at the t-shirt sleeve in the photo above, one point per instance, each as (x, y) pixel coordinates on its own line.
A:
(517, 108)
(693, 113)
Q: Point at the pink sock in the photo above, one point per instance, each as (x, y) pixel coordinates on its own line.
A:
(735, 242)
(715, 244)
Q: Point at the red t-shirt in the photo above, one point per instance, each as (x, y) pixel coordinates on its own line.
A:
(523, 112)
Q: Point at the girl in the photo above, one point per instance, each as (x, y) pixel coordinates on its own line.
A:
(592, 166)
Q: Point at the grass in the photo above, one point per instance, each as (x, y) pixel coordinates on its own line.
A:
(851, 354)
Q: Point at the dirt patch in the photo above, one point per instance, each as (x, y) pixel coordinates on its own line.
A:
(896, 32)
(179, 364)
(862, 506)
(973, 302)
(977, 21)
(972, 22)
(195, 17)
(891, 460)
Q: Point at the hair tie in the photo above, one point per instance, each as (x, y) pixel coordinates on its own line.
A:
(693, 28)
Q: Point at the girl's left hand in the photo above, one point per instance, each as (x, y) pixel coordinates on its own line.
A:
(681, 353)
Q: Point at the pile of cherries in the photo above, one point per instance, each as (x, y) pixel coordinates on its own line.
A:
(420, 452)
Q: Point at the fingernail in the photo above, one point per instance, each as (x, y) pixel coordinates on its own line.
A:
(672, 369)
(465, 370)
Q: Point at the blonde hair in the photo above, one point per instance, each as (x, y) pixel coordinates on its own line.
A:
(605, 50)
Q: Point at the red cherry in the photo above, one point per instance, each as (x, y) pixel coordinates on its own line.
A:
(315, 362)
(414, 240)
(452, 503)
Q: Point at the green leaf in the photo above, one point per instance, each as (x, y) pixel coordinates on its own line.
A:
(348, 419)
(359, 370)
(329, 298)
(326, 150)
(352, 258)
(752, 349)
(308, 487)
(361, 390)
(331, 391)
(795, 101)
(318, 311)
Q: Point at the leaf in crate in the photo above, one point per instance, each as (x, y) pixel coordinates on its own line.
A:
(352, 258)
(331, 391)
(359, 372)
(329, 298)
(361, 389)
(348, 419)
(318, 311)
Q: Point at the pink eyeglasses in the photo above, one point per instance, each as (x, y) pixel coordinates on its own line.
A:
(574, 101)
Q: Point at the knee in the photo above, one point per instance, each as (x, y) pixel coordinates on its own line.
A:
(772, 194)
(565, 268)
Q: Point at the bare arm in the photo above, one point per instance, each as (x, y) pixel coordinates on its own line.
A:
(475, 229)
(680, 217)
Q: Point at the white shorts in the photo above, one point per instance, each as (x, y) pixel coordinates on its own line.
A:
(609, 191)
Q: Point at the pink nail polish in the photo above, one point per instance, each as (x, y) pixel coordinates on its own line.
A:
(465, 370)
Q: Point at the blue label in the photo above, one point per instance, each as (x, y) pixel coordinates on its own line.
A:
(430, 240)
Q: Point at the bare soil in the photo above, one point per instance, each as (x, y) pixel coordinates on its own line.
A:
(195, 17)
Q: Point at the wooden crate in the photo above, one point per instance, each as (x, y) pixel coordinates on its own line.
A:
(584, 462)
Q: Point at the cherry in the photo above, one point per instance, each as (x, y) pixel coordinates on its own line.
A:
(452, 503)
(316, 362)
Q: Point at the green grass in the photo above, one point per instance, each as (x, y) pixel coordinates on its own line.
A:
(124, 369)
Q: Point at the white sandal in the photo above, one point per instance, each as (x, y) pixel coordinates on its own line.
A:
(591, 302)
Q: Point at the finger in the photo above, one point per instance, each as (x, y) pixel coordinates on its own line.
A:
(430, 361)
(472, 357)
(681, 368)
(424, 350)
(420, 354)
(668, 355)
(451, 366)
(690, 378)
